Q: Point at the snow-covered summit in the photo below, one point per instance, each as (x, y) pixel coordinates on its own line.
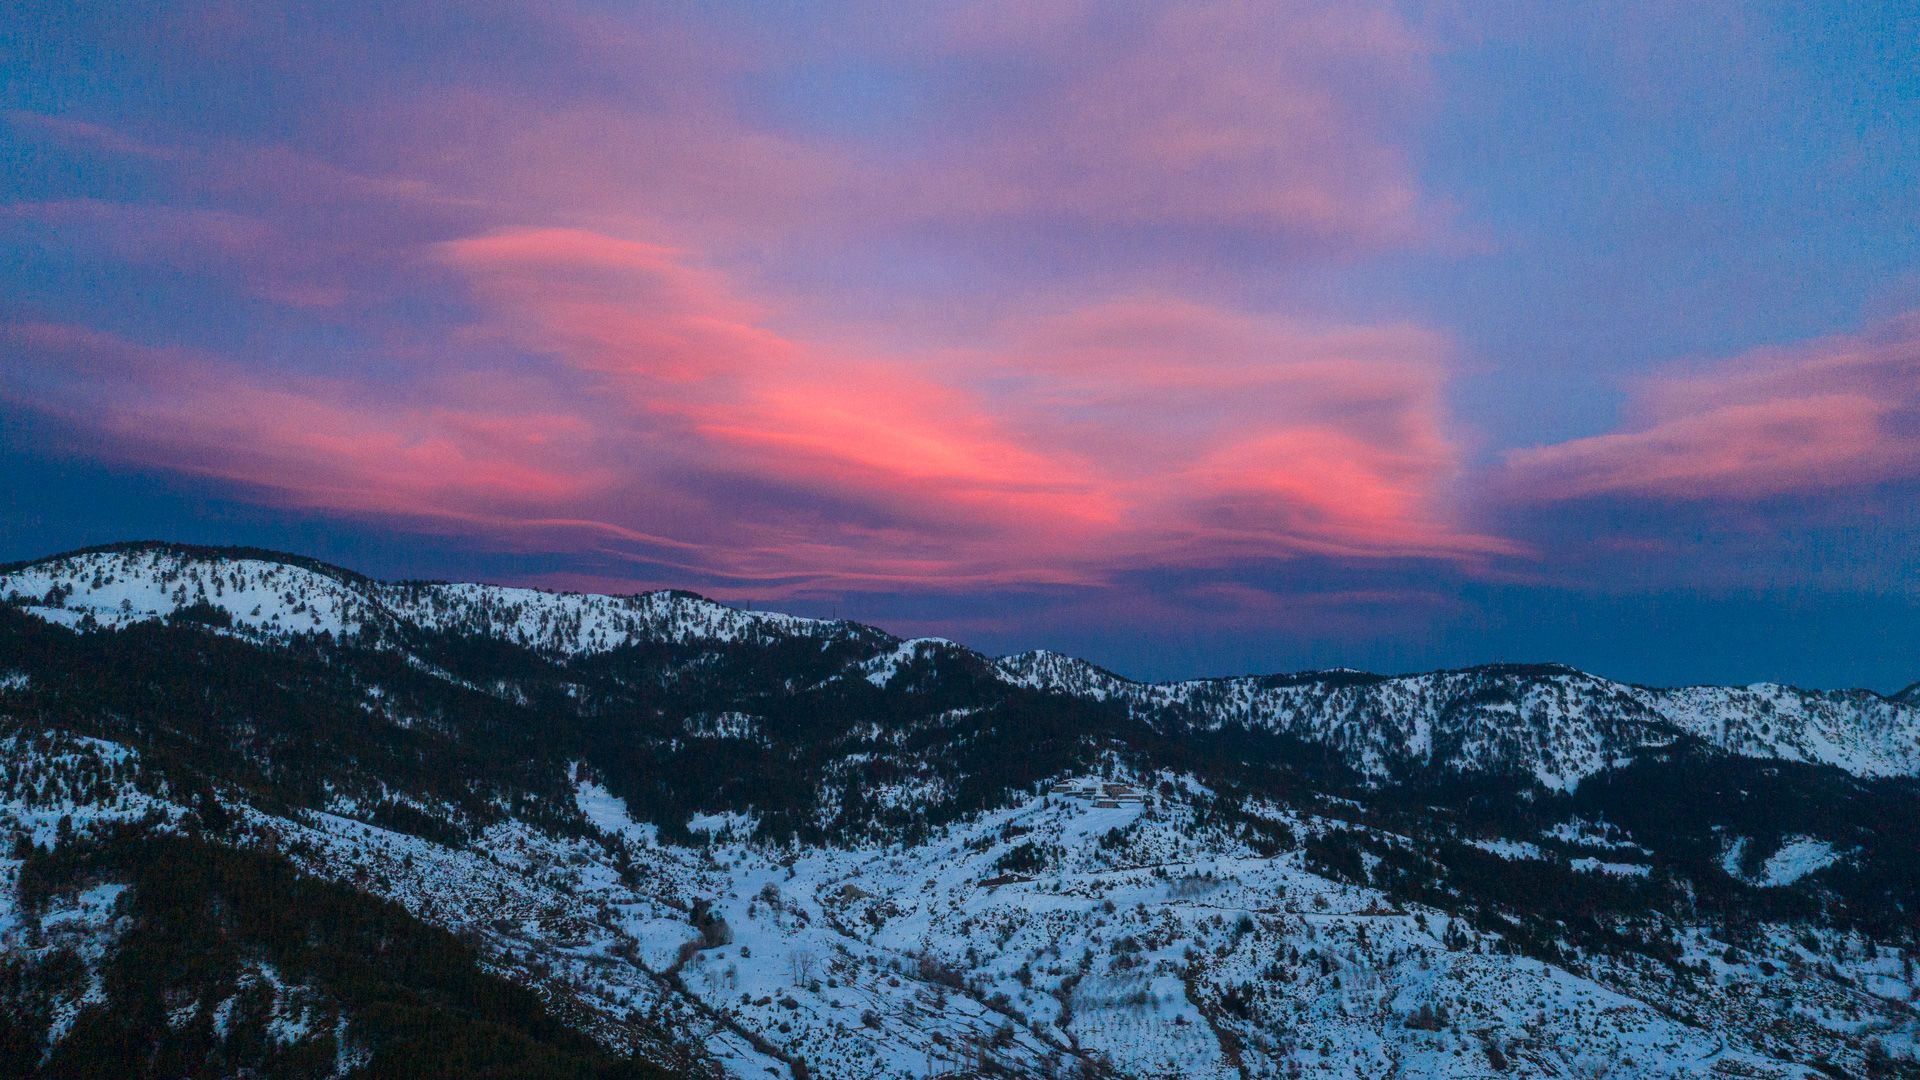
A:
(1044, 670)
(111, 588)
(269, 594)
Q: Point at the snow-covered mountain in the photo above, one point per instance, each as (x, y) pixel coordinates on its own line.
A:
(656, 836)
(1553, 723)
(1558, 723)
(1856, 730)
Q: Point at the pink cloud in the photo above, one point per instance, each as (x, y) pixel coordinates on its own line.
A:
(271, 222)
(1837, 412)
(651, 354)
(1286, 120)
(1283, 120)
(685, 354)
(1237, 435)
(321, 443)
(1271, 117)
(1148, 432)
(611, 305)
(84, 133)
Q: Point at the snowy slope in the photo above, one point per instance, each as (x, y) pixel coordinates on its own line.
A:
(1556, 723)
(1051, 671)
(1133, 944)
(114, 589)
(1861, 732)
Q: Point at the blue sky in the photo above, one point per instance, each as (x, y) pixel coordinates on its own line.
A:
(1192, 338)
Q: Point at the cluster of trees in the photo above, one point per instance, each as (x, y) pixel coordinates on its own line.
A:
(1688, 809)
(406, 999)
(294, 724)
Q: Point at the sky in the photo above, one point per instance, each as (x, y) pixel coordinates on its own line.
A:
(1191, 338)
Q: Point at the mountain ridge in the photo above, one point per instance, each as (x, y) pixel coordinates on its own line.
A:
(1552, 721)
(219, 552)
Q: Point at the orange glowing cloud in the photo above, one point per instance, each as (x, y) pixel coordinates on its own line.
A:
(868, 424)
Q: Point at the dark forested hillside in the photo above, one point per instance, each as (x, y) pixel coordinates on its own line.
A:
(225, 962)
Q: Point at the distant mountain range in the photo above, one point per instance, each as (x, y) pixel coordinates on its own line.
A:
(1554, 723)
(657, 835)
